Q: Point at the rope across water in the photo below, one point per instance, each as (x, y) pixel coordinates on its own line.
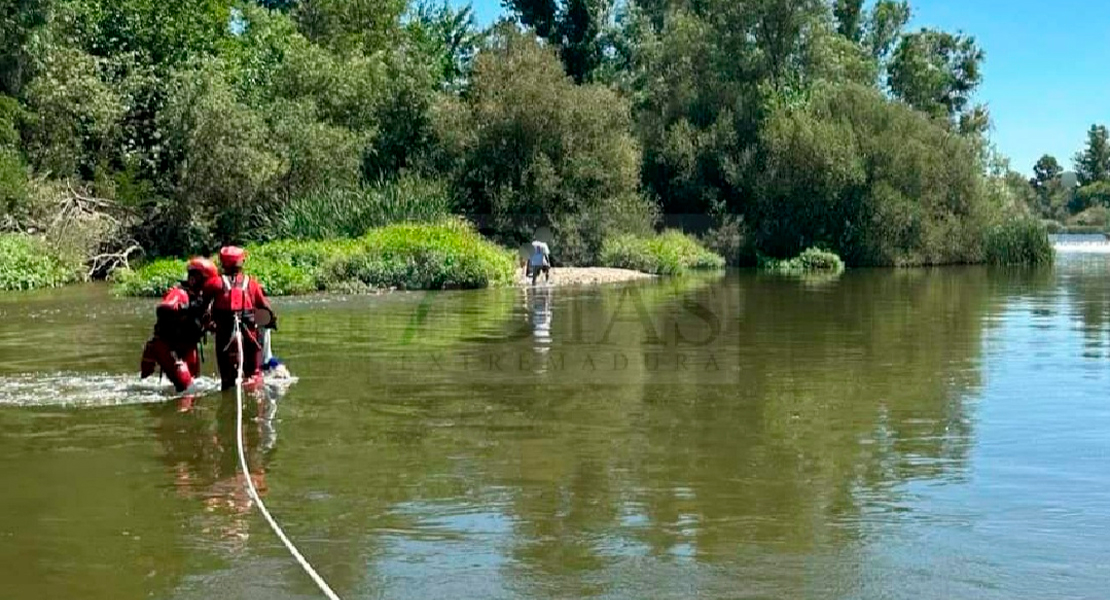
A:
(238, 340)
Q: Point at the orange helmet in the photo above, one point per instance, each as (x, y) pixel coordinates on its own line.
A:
(202, 265)
(232, 256)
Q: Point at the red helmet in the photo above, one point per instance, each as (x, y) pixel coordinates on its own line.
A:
(202, 265)
(232, 256)
(175, 299)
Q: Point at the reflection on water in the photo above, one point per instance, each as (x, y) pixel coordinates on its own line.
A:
(200, 450)
(934, 433)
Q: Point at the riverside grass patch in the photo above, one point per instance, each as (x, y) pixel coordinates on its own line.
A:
(29, 263)
(1018, 242)
(811, 260)
(448, 254)
(669, 253)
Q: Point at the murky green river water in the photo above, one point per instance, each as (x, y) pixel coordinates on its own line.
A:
(894, 434)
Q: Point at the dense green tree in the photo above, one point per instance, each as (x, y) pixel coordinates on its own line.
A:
(74, 114)
(351, 25)
(573, 26)
(849, 15)
(936, 72)
(1092, 164)
(1046, 171)
(20, 21)
(449, 37)
(1094, 194)
(155, 32)
(1046, 184)
(532, 149)
(870, 179)
(885, 22)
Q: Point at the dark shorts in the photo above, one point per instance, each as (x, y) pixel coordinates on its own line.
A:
(537, 269)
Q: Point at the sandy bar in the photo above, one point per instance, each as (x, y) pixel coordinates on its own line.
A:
(561, 276)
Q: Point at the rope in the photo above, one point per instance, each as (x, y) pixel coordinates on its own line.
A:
(237, 336)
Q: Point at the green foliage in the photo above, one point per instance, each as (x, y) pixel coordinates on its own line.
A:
(1093, 194)
(203, 122)
(151, 279)
(22, 22)
(14, 195)
(872, 180)
(74, 114)
(529, 148)
(449, 37)
(449, 254)
(341, 213)
(731, 239)
(809, 261)
(154, 32)
(1018, 242)
(350, 26)
(11, 117)
(1093, 163)
(669, 253)
(573, 26)
(1046, 171)
(29, 263)
(1096, 216)
(936, 72)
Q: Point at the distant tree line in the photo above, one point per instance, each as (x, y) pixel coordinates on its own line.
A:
(1081, 198)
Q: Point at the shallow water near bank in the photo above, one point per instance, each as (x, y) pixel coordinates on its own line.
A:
(931, 433)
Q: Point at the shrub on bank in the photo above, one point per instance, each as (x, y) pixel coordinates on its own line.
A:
(151, 279)
(812, 260)
(1019, 241)
(670, 253)
(449, 254)
(29, 263)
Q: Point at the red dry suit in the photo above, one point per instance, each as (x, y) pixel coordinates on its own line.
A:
(233, 295)
(177, 332)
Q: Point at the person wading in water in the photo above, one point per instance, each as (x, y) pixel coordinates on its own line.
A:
(234, 293)
(180, 326)
(540, 260)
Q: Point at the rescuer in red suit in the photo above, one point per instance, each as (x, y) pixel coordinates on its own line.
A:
(234, 293)
(179, 328)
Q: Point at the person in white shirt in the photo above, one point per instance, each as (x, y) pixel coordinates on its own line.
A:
(540, 260)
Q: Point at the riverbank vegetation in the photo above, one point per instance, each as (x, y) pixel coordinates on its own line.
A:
(447, 254)
(762, 129)
(670, 253)
(27, 263)
(811, 260)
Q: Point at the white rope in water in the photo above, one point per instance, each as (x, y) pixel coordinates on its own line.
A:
(238, 337)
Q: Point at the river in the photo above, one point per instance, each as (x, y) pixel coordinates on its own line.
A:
(924, 434)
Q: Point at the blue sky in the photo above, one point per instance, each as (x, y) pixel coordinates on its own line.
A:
(1047, 73)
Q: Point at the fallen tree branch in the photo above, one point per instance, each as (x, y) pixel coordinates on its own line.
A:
(110, 261)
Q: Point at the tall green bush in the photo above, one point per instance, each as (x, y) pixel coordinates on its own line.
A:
(29, 263)
(670, 253)
(528, 148)
(449, 254)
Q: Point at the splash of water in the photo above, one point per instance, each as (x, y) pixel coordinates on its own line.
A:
(91, 390)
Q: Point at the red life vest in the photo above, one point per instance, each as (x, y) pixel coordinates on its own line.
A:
(235, 295)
